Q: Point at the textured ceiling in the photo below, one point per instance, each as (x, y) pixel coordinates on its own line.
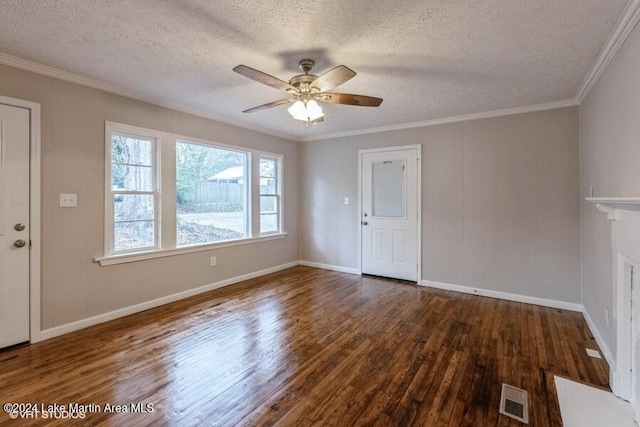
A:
(427, 59)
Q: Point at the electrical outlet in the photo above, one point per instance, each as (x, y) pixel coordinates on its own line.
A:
(213, 261)
(606, 315)
(68, 200)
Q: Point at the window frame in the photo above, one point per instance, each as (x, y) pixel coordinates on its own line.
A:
(156, 140)
(278, 193)
(165, 176)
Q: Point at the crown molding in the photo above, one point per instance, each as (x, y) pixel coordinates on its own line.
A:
(625, 25)
(453, 119)
(67, 76)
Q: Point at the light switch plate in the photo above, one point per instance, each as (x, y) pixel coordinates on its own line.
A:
(68, 200)
(346, 201)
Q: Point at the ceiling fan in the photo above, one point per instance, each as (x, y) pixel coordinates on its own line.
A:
(306, 89)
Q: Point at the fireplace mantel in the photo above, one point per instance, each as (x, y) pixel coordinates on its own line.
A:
(624, 216)
(612, 205)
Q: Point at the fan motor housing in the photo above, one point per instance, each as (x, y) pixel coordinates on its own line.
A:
(302, 82)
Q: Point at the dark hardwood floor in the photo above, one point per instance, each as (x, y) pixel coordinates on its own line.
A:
(309, 347)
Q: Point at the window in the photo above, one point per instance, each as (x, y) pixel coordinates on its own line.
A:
(222, 194)
(211, 194)
(269, 194)
(133, 199)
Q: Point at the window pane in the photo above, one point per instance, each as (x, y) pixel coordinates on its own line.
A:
(211, 193)
(133, 170)
(388, 188)
(268, 204)
(133, 235)
(131, 151)
(268, 186)
(267, 167)
(268, 174)
(133, 207)
(269, 223)
(132, 178)
(269, 190)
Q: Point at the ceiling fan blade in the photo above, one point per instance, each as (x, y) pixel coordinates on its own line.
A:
(269, 105)
(264, 78)
(350, 99)
(333, 78)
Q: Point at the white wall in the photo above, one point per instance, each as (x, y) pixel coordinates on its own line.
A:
(500, 202)
(73, 286)
(610, 163)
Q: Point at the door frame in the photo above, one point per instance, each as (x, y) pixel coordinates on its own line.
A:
(361, 154)
(34, 211)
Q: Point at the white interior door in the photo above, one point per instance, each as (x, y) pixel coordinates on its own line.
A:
(14, 225)
(389, 217)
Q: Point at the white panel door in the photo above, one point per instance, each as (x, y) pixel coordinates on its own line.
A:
(14, 225)
(389, 218)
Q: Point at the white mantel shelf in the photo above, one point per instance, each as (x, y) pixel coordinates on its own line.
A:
(611, 205)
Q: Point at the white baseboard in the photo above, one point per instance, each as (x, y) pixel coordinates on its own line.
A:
(105, 317)
(330, 267)
(504, 295)
(603, 346)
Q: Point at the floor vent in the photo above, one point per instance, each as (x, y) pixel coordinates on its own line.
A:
(593, 353)
(514, 403)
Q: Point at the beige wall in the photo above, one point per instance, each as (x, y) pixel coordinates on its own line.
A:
(500, 202)
(610, 153)
(73, 286)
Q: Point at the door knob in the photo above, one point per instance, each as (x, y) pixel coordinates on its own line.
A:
(19, 243)
(365, 223)
(18, 227)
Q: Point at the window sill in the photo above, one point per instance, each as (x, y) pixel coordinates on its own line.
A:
(161, 253)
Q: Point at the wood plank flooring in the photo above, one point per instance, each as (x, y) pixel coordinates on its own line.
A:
(309, 347)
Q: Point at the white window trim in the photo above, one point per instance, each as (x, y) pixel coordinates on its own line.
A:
(162, 138)
(109, 214)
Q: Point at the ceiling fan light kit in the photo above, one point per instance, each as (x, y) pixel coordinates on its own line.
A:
(306, 112)
(306, 90)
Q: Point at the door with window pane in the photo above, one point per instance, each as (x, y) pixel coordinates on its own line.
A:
(389, 218)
